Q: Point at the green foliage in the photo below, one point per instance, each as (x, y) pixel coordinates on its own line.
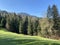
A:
(20, 27)
(39, 29)
(13, 23)
(25, 26)
(49, 12)
(55, 17)
(29, 25)
(3, 22)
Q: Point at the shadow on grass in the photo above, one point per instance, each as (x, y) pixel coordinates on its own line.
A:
(9, 41)
(55, 44)
(15, 42)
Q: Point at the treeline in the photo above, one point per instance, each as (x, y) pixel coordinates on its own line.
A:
(20, 23)
(29, 25)
(53, 14)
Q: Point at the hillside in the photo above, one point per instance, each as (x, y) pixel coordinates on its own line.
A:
(23, 23)
(9, 38)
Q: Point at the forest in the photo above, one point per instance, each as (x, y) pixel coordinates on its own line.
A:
(23, 23)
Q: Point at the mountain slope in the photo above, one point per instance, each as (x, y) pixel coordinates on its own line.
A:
(9, 38)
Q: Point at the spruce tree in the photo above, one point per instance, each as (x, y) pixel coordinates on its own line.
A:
(29, 26)
(25, 26)
(55, 17)
(39, 28)
(49, 12)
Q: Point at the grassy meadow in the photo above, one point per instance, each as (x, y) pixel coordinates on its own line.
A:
(9, 38)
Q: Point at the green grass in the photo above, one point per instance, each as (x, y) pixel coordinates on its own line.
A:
(9, 38)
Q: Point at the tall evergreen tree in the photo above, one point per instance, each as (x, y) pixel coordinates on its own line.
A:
(29, 26)
(3, 22)
(25, 26)
(35, 25)
(13, 23)
(49, 12)
(55, 17)
(32, 28)
(20, 26)
(39, 28)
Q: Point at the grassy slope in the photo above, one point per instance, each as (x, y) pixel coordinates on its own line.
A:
(8, 38)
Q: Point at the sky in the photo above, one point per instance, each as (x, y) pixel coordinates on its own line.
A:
(34, 7)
